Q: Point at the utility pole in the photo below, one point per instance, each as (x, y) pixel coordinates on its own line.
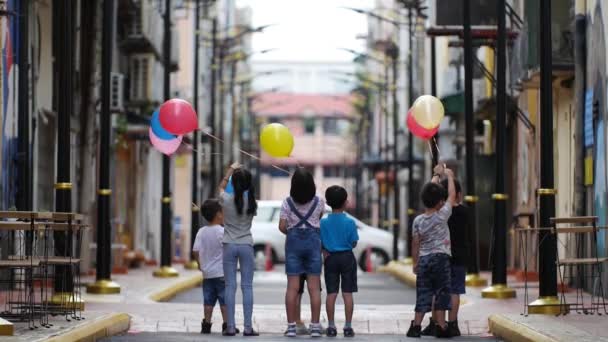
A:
(385, 149)
(103, 283)
(166, 242)
(473, 278)
(547, 303)
(194, 216)
(434, 147)
(499, 287)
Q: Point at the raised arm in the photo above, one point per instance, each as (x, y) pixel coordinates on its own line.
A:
(438, 171)
(451, 188)
(222, 187)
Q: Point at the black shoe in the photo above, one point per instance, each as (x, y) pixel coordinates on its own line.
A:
(225, 326)
(430, 329)
(205, 327)
(453, 328)
(414, 330)
(332, 332)
(349, 332)
(442, 332)
(250, 333)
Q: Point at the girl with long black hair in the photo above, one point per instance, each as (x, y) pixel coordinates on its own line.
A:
(239, 209)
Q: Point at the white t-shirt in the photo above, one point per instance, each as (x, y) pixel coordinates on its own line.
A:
(208, 244)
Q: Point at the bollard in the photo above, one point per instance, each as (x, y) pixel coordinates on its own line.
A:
(269, 263)
(368, 259)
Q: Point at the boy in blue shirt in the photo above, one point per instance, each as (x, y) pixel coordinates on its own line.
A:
(338, 237)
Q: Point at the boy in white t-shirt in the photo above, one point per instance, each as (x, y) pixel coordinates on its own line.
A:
(207, 248)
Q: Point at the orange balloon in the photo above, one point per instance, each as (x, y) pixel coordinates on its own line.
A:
(428, 111)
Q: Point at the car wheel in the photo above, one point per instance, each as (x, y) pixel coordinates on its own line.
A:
(259, 254)
(377, 257)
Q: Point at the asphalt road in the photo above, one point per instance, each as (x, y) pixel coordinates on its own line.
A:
(269, 288)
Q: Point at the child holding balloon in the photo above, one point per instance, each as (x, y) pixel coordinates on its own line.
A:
(239, 208)
(300, 219)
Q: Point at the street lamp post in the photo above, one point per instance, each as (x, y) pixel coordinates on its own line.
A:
(103, 283)
(394, 55)
(473, 278)
(411, 194)
(194, 213)
(548, 302)
(165, 269)
(499, 287)
(212, 102)
(24, 197)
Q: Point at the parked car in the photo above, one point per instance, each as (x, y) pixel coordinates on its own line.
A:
(265, 232)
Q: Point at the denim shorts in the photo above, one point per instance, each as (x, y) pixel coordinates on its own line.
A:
(303, 252)
(213, 291)
(433, 280)
(458, 275)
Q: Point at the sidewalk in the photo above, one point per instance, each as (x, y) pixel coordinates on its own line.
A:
(504, 319)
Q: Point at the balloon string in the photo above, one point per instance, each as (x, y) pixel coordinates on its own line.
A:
(436, 147)
(243, 152)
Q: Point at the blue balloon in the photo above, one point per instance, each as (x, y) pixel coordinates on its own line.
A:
(229, 188)
(158, 130)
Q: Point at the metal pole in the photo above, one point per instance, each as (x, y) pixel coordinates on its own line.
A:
(222, 104)
(194, 216)
(473, 278)
(411, 194)
(166, 242)
(24, 200)
(396, 203)
(212, 93)
(499, 287)
(103, 283)
(580, 82)
(434, 147)
(547, 243)
(385, 148)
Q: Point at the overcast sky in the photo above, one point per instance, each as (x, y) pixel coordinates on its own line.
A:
(308, 29)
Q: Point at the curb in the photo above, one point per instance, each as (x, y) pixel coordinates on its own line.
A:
(403, 274)
(105, 326)
(180, 286)
(504, 328)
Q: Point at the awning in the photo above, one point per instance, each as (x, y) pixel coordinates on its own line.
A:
(453, 104)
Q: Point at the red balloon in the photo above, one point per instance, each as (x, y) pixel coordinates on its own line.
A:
(178, 117)
(418, 130)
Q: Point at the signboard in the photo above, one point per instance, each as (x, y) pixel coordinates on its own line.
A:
(448, 13)
(588, 119)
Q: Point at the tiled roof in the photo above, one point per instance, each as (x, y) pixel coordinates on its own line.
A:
(292, 104)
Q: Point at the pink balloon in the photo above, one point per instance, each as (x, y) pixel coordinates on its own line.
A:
(178, 117)
(167, 147)
(418, 130)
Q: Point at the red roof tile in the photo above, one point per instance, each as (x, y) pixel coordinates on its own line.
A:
(292, 104)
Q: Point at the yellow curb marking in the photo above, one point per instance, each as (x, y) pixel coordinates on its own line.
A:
(509, 330)
(173, 289)
(6, 328)
(105, 326)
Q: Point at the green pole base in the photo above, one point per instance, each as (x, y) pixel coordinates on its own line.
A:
(549, 305)
(166, 272)
(499, 291)
(67, 300)
(475, 280)
(103, 286)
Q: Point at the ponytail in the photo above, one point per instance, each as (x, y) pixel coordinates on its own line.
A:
(241, 182)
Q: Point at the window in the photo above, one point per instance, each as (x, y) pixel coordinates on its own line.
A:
(309, 125)
(332, 171)
(274, 172)
(330, 126)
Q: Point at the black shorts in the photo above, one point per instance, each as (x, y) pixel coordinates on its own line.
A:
(303, 285)
(341, 272)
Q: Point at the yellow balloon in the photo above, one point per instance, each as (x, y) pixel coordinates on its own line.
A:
(428, 111)
(276, 140)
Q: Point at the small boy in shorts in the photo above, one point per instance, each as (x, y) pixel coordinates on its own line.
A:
(338, 237)
(431, 253)
(207, 248)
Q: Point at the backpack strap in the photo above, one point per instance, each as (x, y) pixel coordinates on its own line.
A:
(303, 218)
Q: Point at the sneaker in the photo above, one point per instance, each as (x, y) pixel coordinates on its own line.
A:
(453, 328)
(205, 327)
(291, 331)
(349, 332)
(430, 329)
(225, 326)
(442, 332)
(301, 329)
(315, 330)
(332, 332)
(250, 333)
(414, 330)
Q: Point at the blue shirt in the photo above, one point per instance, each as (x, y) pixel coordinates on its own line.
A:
(338, 233)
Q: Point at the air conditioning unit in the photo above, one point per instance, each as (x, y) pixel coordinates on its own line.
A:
(117, 92)
(145, 76)
(447, 14)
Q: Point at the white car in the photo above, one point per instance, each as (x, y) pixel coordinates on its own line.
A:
(265, 231)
